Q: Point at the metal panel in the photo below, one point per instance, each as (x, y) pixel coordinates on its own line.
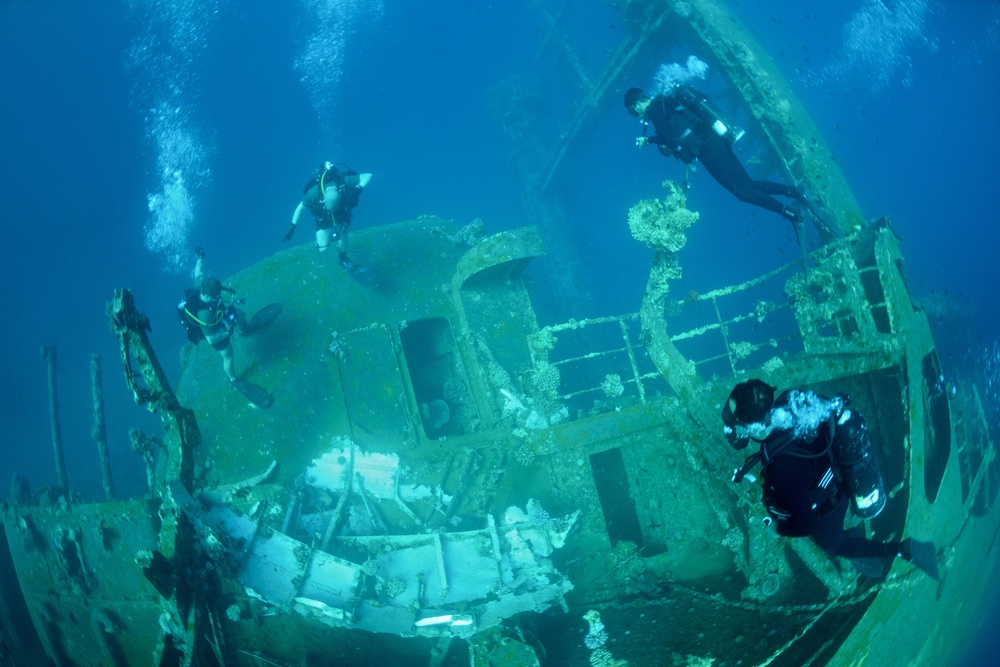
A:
(377, 401)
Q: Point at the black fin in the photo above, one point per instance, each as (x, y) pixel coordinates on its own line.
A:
(264, 316)
(870, 567)
(923, 555)
(361, 273)
(253, 393)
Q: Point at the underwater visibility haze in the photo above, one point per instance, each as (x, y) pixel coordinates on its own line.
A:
(483, 346)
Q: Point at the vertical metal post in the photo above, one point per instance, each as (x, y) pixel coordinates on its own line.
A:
(49, 355)
(147, 447)
(100, 429)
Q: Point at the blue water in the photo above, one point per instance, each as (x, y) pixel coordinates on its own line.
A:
(131, 132)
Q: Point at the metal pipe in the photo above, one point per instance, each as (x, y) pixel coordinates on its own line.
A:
(100, 429)
(49, 355)
(147, 447)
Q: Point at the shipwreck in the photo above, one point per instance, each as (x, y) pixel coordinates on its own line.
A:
(442, 481)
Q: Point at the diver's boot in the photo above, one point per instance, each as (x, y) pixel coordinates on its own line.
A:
(921, 554)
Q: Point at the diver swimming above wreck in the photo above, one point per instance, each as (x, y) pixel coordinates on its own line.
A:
(331, 195)
(688, 126)
(206, 315)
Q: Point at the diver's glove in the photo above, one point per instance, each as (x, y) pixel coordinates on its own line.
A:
(289, 233)
(199, 252)
(641, 142)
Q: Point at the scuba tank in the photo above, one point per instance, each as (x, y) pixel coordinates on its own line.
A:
(857, 461)
(702, 108)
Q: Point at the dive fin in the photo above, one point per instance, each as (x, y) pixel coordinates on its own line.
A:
(923, 555)
(361, 273)
(870, 567)
(265, 315)
(254, 393)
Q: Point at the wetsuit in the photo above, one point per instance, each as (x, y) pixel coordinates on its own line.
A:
(804, 492)
(683, 135)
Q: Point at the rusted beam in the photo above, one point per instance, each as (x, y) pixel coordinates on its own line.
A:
(100, 429)
(49, 356)
(180, 430)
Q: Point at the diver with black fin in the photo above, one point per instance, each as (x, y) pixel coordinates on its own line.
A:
(687, 126)
(331, 195)
(817, 460)
(209, 315)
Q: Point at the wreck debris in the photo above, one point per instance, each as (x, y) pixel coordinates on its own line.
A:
(226, 493)
(69, 552)
(20, 491)
(180, 430)
(661, 225)
(49, 356)
(147, 446)
(100, 431)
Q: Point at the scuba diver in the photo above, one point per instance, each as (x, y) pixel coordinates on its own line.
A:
(687, 126)
(331, 194)
(208, 315)
(817, 459)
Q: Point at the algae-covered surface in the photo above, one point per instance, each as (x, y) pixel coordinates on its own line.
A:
(307, 357)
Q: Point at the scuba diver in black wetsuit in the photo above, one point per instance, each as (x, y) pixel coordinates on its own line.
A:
(331, 194)
(817, 459)
(688, 127)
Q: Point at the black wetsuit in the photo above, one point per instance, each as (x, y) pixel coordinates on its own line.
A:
(804, 494)
(683, 135)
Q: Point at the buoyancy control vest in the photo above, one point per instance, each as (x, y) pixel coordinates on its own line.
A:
(701, 108)
(187, 312)
(347, 182)
(824, 488)
(842, 449)
(684, 119)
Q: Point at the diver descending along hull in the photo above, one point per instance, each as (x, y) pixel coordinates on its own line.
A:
(815, 451)
(207, 315)
(331, 195)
